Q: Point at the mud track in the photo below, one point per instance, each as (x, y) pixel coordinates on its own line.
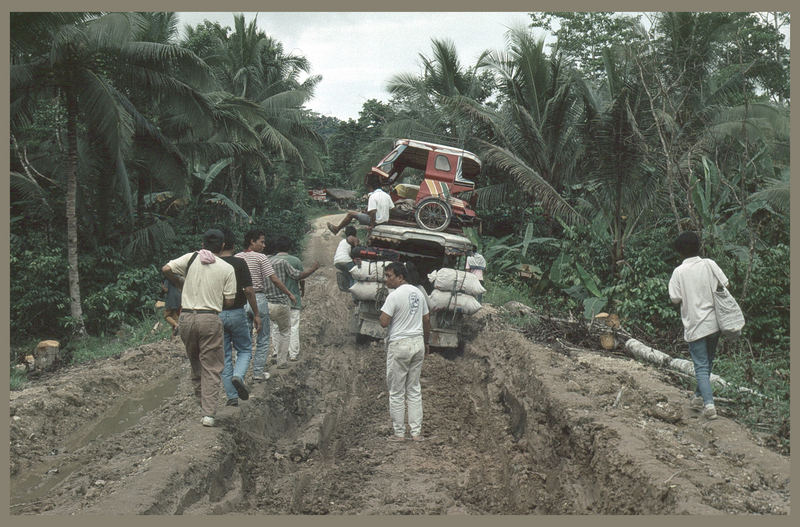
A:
(512, 427)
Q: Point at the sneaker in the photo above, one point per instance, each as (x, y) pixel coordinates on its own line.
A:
(709, 412)
(395, 439)
(261, 377)
(293, 359)
(696, 403)
(241, 389)
(333, 228)
(232, 402)
(208, 421)
(417, 438)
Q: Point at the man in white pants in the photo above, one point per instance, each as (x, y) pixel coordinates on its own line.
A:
(405, 313)
(280, 246)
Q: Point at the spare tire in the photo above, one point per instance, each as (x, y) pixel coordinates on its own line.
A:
(433, 214)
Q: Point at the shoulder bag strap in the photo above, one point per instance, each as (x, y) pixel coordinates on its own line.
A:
(713, 272)
(188, 265)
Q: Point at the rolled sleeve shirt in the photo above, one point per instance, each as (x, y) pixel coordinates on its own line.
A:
(284, 271)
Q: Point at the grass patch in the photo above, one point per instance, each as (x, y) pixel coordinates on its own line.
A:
(103, 346)
(498, 293)
(17, 380)
(766, 416)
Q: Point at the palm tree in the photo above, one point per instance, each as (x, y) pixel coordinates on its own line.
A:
(621, 187)
(428, 95)
(80, 63)
(252, 67)
(534, 137)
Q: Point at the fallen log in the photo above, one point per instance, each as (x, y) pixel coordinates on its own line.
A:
(607, 327)
(644, 352)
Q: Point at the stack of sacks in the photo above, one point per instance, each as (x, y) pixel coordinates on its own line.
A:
(369, 280)
(454, 291)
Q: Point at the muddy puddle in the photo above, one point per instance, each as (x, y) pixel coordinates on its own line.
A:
(64, 460)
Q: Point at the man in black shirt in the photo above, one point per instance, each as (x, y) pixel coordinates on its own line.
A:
(236, 326)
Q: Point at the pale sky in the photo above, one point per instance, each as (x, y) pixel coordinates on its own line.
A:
(357, 53)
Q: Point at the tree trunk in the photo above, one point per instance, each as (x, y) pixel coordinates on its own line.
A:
(76, 311)
(643, 352)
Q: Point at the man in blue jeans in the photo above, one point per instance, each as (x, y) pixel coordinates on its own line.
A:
(692, 285)
(261, 271)
(236, 326)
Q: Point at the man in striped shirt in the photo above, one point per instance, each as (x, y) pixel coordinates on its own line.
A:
(280, 306)
(262, 274)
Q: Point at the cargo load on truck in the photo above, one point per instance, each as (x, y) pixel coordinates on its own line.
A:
(439, 257)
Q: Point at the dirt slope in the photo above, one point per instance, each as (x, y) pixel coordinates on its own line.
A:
(512, 427)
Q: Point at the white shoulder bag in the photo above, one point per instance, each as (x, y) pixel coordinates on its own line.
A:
(730, 318)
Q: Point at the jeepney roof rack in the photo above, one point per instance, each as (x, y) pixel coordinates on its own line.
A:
(430, 137)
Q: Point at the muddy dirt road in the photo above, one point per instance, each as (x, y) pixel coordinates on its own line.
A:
(512, 427)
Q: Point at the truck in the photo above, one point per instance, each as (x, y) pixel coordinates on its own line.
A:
(429, 251)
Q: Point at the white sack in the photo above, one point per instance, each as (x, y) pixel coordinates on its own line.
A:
(369, 271)
(445, 300)
(367, 290)
(447, 279)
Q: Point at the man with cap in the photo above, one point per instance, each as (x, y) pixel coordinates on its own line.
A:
(208, 286)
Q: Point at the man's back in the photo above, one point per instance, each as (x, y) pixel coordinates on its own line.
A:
(290, 282)
(691, 285)
(242, 279)
(381, 203)
(406, 306)
(205, 285)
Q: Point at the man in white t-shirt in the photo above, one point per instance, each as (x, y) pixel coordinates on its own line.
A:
(378, 206)
(692, 285)
(405, 313)
(341, 258)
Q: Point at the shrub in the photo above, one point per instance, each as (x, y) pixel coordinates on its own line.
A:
(126, 300)
(38, 290)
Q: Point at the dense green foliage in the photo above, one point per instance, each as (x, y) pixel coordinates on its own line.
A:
(598, 149)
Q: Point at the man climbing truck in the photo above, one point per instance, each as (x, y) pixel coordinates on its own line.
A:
(440, 259)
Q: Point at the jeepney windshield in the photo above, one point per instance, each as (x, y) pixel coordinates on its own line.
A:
(387, 164)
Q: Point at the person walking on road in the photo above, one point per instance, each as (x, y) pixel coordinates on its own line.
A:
(172, 305)
(692, 285)
(236, 327)
(379, 204)
(280, 304)
(405, 313)
(209, 286)
(281, 246)
(262, 274)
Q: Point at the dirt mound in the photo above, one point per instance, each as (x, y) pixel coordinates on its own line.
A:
(512, 427)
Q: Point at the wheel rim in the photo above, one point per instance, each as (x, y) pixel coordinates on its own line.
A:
(433, 215)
